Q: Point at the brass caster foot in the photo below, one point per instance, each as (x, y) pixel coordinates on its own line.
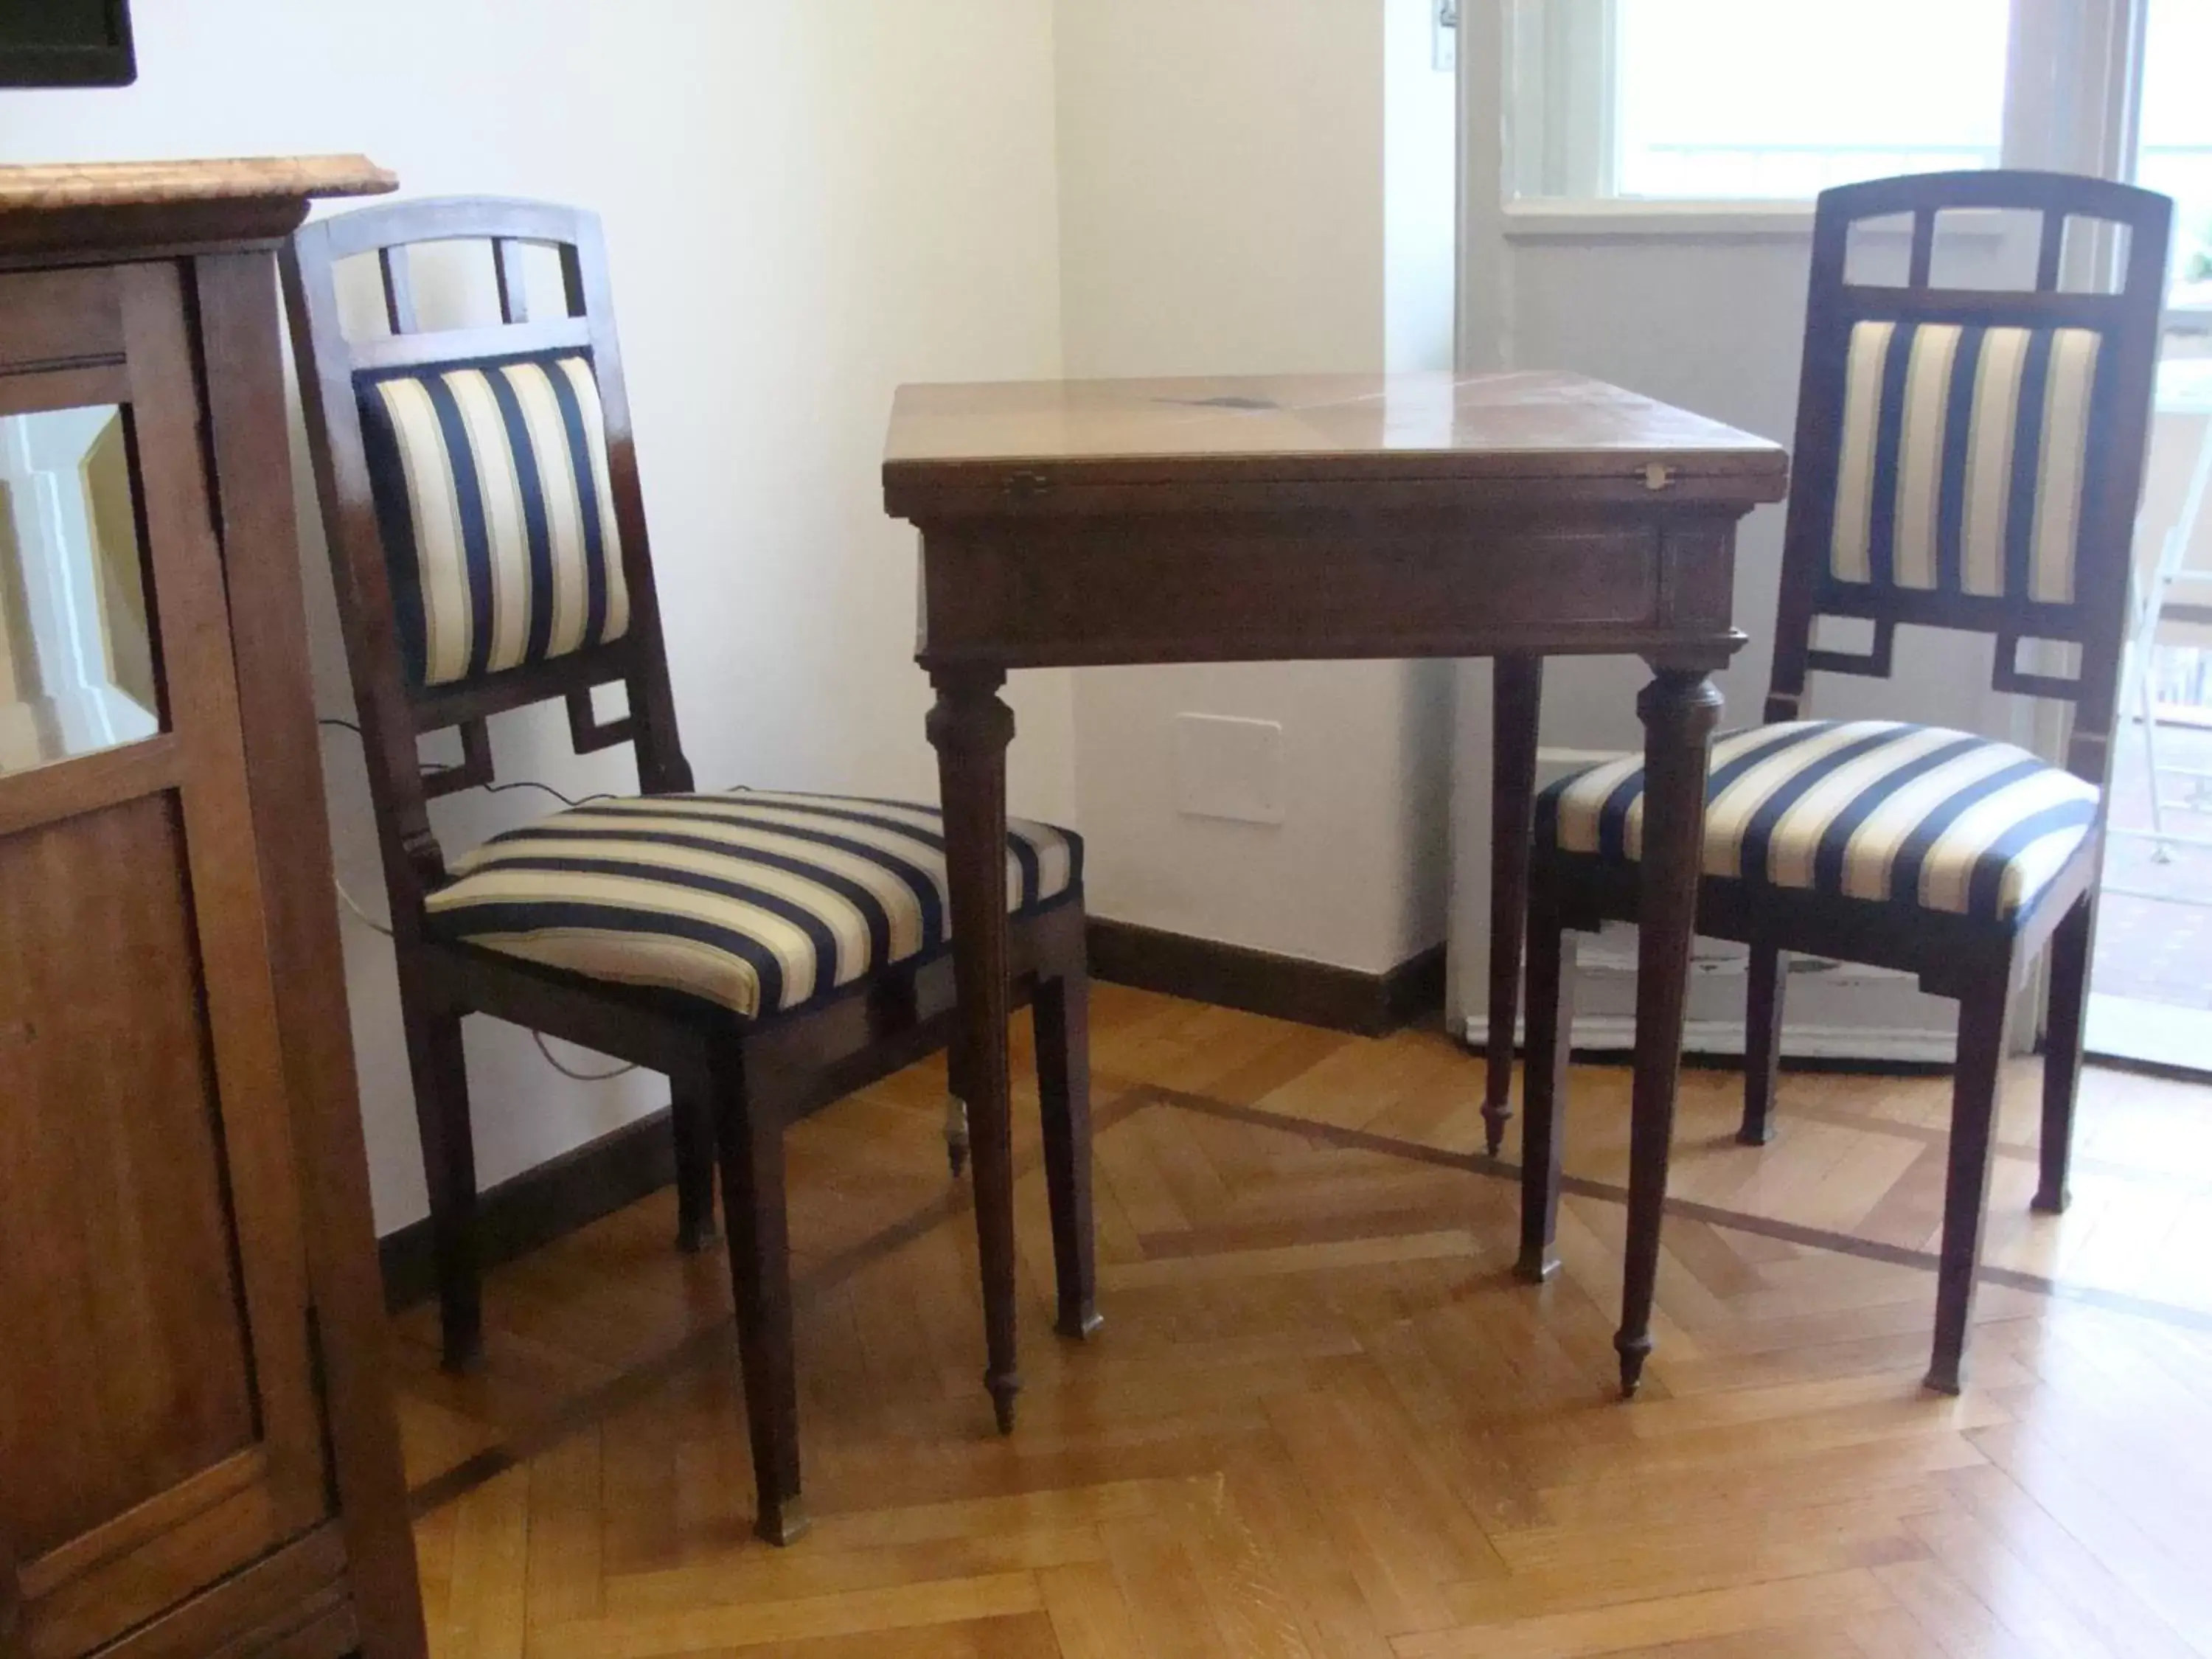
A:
(1004, 1391)
(784, 1524)
(1535, 1267)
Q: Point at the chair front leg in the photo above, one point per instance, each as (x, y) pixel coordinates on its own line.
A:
(691, 1114)
(439, 1066)
(1982, 1027)
(2071, 949)
(1060, 1016)
(750, 1136)
(1762, 1046)
(1544, 1082)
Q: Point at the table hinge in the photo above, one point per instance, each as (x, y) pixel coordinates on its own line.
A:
(1657, 476)
(1027, 486)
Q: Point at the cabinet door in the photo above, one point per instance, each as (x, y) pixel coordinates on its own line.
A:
(159, 1422)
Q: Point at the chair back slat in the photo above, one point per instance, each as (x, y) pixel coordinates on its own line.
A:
(1922, 261)
(479, 491)
(514, 286)
(475, 767)
(2050, 248)
(392, 268)
(1968, 458)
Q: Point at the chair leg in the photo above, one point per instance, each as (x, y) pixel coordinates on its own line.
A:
(1762, 1047)
(693, 1119)
(2143, 667)
(957, 1141)
(1517, 690)
(750, 1140)
(440, 1069)
(956, 1134)
(2071, 948)
(1544, 1086)
(1982, 1025)
(1060, 1015)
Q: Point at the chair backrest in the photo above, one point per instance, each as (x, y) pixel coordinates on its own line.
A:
(1972, 458)
(480, 492)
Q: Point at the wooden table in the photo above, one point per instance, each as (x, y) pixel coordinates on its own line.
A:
(1514, 515)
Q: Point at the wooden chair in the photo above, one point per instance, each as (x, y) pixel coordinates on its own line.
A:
(1967, 459)
(769, 953)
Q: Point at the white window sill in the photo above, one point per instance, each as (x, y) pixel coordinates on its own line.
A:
(1640, 221)
(1643, 221)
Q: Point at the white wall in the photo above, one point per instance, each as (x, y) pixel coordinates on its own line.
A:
(806, 202)
(1234, 197)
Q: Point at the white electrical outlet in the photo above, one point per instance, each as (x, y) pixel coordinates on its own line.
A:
(1228, 767)
(1444, 19)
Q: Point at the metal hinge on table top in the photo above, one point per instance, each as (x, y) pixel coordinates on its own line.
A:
(1657, 476)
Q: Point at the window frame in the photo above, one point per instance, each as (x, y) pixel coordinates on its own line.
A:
(2072, 80)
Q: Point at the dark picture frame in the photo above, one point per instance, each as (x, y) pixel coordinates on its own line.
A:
(95, 50)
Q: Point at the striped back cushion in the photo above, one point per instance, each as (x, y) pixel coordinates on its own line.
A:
(1964, 456)
(491, 490)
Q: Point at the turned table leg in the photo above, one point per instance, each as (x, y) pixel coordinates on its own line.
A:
(970, 728)
(1678, 709)
(1517, 697)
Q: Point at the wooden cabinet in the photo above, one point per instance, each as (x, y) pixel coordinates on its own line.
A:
(197, 1451)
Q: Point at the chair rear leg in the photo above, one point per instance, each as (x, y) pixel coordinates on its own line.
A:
(750, 1139)
(1982, 1025)
(692, 1115)
(2071, 948)
(1060, 1016)
(439, 1066)
(1544, 1084)
(1762, 1047)
(957, 1140)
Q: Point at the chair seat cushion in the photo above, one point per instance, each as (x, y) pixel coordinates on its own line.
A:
(1876, 809)
(759, 902)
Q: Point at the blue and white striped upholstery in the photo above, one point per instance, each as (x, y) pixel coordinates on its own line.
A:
(1874, 810)
(491, 490)
(761, 902)
(1964, 457)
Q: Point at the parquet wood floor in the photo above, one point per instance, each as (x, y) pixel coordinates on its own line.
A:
(1323, 1420)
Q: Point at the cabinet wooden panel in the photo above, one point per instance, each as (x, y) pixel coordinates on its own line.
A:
(115, 1230)
(196, 1454)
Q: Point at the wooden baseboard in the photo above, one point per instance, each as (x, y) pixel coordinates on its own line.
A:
(540, 1205)
(1261, 982)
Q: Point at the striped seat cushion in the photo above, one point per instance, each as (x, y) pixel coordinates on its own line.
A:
(1873, 810)
(761, 902)
(497, 519)
(1964, 457)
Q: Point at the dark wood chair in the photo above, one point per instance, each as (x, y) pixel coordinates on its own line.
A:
(1967, 459)
(768, 953)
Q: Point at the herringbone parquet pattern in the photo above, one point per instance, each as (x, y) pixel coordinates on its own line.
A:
(1323, 1420)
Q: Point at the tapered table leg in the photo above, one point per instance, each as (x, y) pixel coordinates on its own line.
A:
(970, 728)
(1679, 708)
(1517, 697)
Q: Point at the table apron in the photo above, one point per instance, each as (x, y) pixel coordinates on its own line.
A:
(1035, 592)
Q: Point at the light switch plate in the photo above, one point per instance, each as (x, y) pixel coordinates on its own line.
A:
(1228, 767)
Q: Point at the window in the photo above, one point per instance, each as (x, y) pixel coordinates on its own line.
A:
(1752, 100)
(2176, 157)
